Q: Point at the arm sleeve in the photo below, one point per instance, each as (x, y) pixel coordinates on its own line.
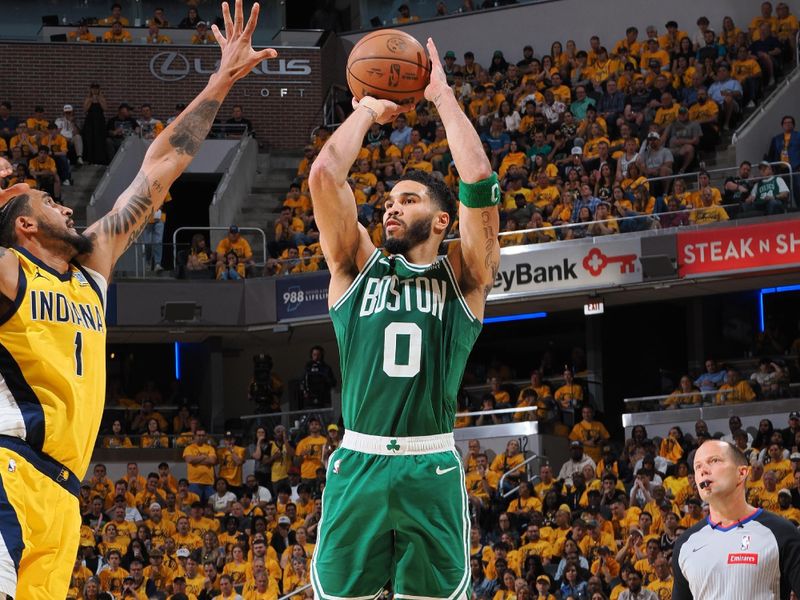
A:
(680, 588)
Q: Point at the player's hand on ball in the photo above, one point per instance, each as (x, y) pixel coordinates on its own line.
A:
(438, 82)
(383, 111)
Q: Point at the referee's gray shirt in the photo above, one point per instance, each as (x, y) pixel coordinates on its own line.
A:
(757, 558)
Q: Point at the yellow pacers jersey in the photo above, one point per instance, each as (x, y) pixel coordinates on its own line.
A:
(52, 361)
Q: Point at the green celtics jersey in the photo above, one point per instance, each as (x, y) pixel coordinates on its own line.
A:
(405, 333)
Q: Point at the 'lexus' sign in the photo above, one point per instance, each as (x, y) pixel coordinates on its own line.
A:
(173, 66)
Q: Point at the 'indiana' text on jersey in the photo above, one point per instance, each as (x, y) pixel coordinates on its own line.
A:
(52, 361)
(404, 333)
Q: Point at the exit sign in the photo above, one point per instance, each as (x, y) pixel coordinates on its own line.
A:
(595, 307)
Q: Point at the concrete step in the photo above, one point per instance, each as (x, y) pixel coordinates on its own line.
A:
(77, 196)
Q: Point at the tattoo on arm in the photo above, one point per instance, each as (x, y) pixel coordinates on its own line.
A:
(134, 215)
(192, 128)
(490, 243)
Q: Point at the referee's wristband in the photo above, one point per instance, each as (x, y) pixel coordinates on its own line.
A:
(481, 194)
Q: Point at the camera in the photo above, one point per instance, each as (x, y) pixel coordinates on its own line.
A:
(261, 391)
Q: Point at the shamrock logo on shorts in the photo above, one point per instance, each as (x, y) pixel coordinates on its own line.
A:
(393, 446)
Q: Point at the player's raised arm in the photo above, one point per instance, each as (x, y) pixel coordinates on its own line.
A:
(478, 257)
(345, 243)
(173, 150)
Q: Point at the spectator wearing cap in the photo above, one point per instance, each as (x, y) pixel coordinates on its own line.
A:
(792, 429)
(450, 66)
(69, 129)
(230, 458)
(200, 458)
(202, 35)
(117, 34)
(309, 451)
(404, 15)
(770, 195)
(334, 439)
(785, 508)
(593, 434)
(577, 461)
(234, 242)
(655, 160)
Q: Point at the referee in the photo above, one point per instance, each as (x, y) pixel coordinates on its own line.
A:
(739, 551)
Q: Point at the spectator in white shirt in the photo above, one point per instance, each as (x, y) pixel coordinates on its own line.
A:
(578, 460)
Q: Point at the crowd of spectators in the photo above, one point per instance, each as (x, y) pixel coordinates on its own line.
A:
(119, 31)
(244, 520)
(580, 138)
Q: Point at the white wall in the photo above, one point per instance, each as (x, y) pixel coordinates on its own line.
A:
(752, 140)
(510, 29)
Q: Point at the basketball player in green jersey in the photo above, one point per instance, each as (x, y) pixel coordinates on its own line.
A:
(395, 506)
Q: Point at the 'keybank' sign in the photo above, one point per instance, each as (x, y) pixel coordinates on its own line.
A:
(565, 266)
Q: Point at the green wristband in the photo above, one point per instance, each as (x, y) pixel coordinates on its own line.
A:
(481, 194)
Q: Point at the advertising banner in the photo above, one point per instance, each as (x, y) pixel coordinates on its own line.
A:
(302, 296)
(566, 266)
(742, 248)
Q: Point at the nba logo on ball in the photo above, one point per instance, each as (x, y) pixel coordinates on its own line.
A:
(745, 541)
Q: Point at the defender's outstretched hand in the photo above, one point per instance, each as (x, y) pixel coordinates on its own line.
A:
(238, 56)
(438, 82)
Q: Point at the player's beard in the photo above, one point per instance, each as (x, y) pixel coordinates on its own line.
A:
(417, 232)
(73, 242)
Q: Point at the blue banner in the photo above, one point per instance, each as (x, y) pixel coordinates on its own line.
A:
(302, 296)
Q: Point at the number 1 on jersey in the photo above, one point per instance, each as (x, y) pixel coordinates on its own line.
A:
(79, 354)
(390, 335)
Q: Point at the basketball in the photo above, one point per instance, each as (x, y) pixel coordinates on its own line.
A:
(390, 65)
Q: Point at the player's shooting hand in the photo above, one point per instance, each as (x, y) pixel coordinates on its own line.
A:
(238, 56)
(383, 111)
(438, 84)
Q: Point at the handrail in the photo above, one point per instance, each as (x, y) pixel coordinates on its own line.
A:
(681, 395)
(295, 592)
(762, 106)
(525, 462)
(226, 177)
(118, 157)
(219, 228)
(497, 411)
(688, 394)
(788, 166)
(286, 413)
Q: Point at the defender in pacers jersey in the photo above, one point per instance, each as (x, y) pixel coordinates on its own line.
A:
(395, 506)
(52, 336)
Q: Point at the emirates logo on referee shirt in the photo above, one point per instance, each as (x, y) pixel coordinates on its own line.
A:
(742, 558)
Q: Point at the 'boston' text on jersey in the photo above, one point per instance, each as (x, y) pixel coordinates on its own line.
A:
(423, 294)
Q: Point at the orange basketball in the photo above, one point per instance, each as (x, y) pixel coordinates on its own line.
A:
(390, 65)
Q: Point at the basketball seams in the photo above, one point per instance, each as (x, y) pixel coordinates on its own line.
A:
(388, 64)
(393, 60)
